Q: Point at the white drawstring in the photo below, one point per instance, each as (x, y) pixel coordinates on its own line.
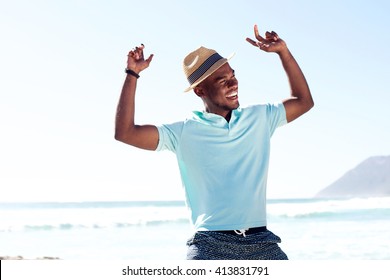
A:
(241, 232)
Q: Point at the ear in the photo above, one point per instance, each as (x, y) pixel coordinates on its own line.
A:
(199, 91)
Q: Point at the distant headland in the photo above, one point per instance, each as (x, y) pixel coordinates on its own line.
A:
(371, 178)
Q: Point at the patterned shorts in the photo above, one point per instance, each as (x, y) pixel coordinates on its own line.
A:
(212, 245)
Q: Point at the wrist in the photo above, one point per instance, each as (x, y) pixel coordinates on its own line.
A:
(131, 72)
(284, 53)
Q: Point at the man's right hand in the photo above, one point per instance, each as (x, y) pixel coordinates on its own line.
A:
(136, 60)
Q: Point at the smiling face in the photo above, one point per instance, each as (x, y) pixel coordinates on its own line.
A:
(219, 92)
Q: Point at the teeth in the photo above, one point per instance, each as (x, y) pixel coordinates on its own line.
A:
(232, 94)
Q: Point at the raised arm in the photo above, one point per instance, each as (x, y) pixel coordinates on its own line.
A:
(300, 100)
(141, 136)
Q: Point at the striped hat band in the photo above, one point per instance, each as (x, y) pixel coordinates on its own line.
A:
(200, 64)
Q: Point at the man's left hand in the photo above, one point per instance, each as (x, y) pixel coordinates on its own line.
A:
(271, 42)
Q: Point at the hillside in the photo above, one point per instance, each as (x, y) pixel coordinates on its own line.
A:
(369, 179)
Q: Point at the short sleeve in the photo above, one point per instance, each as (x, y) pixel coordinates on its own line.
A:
(169, 135)
(276, 116)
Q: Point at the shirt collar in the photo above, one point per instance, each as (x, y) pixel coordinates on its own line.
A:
(214, 119)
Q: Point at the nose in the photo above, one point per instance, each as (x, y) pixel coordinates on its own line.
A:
(232, 82)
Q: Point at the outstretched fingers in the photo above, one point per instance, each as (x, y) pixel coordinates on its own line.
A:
(257, 34)
(271, 41)
(252, 42)
(261, 42)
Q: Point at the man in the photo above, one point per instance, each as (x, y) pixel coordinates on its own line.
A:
(223, 152)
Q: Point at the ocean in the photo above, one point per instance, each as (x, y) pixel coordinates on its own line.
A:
(311, 229)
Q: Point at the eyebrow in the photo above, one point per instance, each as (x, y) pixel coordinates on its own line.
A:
(217, 79)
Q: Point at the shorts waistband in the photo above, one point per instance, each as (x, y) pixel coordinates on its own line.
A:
(246, 231)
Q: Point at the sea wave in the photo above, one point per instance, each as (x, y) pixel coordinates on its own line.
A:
(62, 217)
(336, 208)
(40, 219)
(78, 226)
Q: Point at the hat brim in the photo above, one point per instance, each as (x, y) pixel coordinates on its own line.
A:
(210, 71)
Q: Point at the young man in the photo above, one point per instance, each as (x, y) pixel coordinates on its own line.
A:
(223, 152)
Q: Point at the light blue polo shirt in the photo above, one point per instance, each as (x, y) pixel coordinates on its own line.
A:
(224, 165)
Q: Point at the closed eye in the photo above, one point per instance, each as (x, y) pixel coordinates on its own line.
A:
(225, 79)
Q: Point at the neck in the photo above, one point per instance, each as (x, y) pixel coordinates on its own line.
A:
(225, 114)
(228, 116)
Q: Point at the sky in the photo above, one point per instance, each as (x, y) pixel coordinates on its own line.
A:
(62, 69)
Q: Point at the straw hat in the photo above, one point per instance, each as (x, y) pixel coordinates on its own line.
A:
(200, 64)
